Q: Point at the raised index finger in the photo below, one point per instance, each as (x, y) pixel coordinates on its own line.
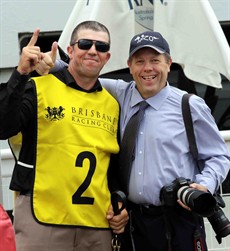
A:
(34, 38)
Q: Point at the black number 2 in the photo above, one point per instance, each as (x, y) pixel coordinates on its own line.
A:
(77, 198)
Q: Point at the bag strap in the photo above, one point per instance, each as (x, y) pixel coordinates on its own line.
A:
(186, 112)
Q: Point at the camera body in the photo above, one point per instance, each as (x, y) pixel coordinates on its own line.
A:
(168, 193)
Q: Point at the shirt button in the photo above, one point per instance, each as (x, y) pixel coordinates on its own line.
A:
(140, 152)
(139, 173)
(141, 133)
(140, 193)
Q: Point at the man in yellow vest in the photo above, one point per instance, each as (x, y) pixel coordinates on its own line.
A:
(65, 128)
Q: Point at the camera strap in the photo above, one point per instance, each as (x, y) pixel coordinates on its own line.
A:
(186, 112)
(198, 241)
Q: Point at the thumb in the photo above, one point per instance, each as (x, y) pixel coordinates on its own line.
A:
(54, 51)
(110, 213)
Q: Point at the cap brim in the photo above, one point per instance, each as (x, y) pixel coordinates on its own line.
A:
(147, 46)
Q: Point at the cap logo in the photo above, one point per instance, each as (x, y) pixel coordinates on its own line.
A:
(145, 38)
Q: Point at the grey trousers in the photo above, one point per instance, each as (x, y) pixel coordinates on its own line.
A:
(32, 236)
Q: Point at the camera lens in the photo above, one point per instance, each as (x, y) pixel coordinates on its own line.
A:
(220, 223)
(203, 203)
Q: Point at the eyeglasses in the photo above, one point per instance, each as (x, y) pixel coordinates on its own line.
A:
(86, 44)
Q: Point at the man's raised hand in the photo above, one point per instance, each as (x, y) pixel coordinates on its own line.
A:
(48, 60)
(30, 56)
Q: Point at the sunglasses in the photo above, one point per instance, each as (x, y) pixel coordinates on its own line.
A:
(86, 44)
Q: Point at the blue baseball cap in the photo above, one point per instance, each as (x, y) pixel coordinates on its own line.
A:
(150, 39)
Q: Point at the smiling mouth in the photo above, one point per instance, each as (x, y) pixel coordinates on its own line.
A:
(91, 59)
(148, 77)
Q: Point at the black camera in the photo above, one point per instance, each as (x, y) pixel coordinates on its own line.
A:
(202, 203)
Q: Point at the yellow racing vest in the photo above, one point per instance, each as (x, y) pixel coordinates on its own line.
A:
(76, 133)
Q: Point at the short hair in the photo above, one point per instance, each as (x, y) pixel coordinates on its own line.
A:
(167, 57)
(88, 25)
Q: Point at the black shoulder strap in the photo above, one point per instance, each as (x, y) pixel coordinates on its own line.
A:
(189, 125)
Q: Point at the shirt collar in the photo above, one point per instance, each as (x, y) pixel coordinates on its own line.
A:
(155, 101)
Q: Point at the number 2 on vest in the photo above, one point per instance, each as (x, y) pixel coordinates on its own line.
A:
(77, 198)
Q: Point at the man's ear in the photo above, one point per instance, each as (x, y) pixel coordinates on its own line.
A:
(70, 51)
(129, 65)
(169, 63)
(108, 56)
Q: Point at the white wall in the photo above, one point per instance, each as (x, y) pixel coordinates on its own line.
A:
(221, 9)
(6, 169)
(26, 16)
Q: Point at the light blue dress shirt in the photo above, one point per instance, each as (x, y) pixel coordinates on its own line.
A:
(162, 150)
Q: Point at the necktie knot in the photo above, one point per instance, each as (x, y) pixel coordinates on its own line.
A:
(143, 105)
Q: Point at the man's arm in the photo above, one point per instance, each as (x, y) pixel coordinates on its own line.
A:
(15, 105)
(116, 222)
(213, 154)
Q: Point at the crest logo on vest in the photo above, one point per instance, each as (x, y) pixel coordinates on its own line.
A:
(55, 113)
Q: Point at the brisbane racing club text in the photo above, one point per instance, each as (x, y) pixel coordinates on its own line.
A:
(94, 118)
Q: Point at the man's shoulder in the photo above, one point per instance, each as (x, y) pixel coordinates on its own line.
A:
(118, 88)
(178, 94)
(115, 84)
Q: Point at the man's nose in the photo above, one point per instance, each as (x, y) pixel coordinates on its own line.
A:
(148, 66)
(92, 49)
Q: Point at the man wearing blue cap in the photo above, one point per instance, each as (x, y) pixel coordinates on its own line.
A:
(162, 154)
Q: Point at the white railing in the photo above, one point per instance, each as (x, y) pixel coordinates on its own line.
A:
(213, 245)
(6, 168)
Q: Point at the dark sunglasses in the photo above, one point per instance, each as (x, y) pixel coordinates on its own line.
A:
(86, 44)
